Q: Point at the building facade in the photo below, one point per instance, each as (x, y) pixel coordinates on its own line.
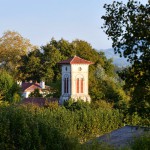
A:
(28, 87)
(75, 79)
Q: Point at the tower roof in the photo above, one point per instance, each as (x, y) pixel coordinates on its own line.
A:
(75, 60)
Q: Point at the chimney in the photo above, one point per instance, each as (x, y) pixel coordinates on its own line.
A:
(19, 83)
(30, 81)
(42, 84)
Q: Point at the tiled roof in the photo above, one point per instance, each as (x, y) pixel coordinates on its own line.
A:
(26, 86)
(40, 101)
(75, 60)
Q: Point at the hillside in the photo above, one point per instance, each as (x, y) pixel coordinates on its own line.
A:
(119, 61)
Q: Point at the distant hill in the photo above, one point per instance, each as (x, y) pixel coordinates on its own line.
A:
(118, 61)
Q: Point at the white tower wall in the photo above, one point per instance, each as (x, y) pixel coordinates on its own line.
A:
(79, 71)
(66, 73)
(74, 72)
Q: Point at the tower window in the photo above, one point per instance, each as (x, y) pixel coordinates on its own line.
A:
(66, 84)
(79, 85)
(66, 68)
(79, 68)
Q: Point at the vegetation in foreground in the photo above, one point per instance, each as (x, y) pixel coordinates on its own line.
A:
(117, 99)
(55, 127)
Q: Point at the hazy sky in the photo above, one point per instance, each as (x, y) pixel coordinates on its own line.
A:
(40, 20)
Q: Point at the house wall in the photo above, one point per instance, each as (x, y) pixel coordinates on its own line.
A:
(26, 94)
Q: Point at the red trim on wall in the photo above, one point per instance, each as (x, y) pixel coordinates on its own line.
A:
(81, 85)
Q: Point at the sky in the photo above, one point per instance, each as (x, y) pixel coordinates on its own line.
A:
(40, 20)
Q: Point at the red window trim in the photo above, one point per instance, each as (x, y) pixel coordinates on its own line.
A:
(77, 84)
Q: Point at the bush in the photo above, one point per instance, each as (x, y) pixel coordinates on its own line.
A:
(140, 143)
(30, 127)
(135, 119)
(27, 128)
(76, 105)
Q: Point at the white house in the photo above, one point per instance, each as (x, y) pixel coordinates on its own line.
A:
(28, 87)
(75, 79)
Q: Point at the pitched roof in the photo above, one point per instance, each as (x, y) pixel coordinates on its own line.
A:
(40, 101)
(75, 60)
(30, 86)
(121, 137)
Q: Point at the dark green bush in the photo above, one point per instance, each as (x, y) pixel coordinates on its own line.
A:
(32, 127)
(142, 143)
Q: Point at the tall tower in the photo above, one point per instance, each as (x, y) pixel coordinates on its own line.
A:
(75, 79)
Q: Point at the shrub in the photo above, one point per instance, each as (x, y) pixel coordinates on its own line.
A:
(140, 143)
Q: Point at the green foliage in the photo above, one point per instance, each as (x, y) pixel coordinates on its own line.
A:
(30, 127)
(9, 91)
(55, 127)
(12, 47)
(140, 143)
(101, 103)
(128, 25)
(135, 119)
(51, 105)
(56, 86)
(35, 93)
(55, 51)
(23, 130)
(95, 145)
(76, 105)
(111, 89)
(31, 67)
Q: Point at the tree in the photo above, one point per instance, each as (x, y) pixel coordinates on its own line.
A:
(128, 25)
(32, 67)
(35, 93)
(9, 91)
(43, 64)
(12, 47)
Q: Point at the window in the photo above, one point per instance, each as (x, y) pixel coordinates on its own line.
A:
(66, 84)
(66, 68)
(79, 68)
(79, 85)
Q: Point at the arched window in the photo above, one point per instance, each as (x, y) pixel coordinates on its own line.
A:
(66, 84)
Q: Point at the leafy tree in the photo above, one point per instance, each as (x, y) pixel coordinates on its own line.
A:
(12, 47)
(35, 93)
(128, 25)
(9, 91)
(76, 105)
(43, 64)
(32, 67)
(51, 56)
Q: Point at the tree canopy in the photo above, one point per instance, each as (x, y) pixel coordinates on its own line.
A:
(42, 65)
(12, 47)
(9, 91)
(128, 25)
